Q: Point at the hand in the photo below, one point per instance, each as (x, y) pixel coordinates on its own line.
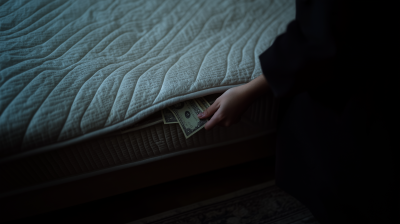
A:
(229, 107)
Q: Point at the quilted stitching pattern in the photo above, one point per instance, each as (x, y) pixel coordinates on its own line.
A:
(72, 68)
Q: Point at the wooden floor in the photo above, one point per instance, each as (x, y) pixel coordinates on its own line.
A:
(163, 197)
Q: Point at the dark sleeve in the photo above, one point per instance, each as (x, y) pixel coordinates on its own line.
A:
(302, 56)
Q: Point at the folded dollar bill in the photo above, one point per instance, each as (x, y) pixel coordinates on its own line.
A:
(168, 117)
(186, 114)
(202, 103)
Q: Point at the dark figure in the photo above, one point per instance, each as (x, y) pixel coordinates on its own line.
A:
(334, 71)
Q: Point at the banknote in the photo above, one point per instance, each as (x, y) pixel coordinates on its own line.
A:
(202, 103)
(168, 117)
(186, 114)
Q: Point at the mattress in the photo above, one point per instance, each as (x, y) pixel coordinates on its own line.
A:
(74, 70)
(79, 78)
(145, 142)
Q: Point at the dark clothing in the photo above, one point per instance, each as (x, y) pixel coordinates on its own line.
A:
(334, 72)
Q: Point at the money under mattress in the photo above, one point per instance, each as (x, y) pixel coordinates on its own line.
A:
(147, 141)
(72, 70)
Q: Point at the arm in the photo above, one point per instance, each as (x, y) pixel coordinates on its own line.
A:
(298, 60)
(303, 57)
(229, 107)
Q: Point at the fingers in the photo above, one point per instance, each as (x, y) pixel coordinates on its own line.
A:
(209, 111)
(213, 121)
(226, 122)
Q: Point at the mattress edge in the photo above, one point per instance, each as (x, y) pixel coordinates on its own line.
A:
(123, 124)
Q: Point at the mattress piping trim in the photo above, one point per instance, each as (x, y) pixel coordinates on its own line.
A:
(123, 124)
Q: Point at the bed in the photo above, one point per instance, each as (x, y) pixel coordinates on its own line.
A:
(82, 83)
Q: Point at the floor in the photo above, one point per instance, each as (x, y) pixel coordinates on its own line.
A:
(163, 197)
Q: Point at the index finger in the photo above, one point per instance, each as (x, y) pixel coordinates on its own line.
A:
(208, 112)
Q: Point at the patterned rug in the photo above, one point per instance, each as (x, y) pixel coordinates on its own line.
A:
(261, 204)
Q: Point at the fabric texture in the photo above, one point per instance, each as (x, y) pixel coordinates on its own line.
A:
(72, 70)
(335, 139)
(128, 147)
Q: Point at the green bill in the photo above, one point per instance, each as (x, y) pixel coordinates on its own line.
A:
(168, 117)
(186, 114)
(202, 103)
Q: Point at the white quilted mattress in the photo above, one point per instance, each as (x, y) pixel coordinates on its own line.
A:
(148, 141)
(72, 70)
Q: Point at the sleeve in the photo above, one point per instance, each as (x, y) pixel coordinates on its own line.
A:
(302, 57)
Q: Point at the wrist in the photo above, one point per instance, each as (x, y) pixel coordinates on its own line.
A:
(257, 86)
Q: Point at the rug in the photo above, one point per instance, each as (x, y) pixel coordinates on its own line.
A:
(261, 204)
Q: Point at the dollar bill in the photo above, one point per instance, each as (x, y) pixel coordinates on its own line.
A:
(202, 103)
(168, 117)
(186, 114)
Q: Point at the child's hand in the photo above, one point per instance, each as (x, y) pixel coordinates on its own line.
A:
(229, 107)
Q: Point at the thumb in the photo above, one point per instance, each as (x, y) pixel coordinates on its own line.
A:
(209, 111)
